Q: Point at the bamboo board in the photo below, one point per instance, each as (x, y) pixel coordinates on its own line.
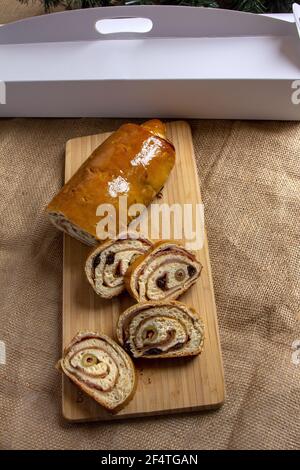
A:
(166, 386)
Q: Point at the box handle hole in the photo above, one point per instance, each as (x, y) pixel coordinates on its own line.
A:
(124, 25)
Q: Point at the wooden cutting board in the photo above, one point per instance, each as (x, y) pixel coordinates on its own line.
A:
(164, 386)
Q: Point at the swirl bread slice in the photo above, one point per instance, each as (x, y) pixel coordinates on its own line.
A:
(101, 368)
(106, 265)
(160, 330)
(166, 271)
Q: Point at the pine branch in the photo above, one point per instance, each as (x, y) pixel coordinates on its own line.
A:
(279, 6)
(251, 6)
(254, 6)
(48, 4)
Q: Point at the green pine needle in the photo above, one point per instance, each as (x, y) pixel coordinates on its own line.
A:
(253, 6)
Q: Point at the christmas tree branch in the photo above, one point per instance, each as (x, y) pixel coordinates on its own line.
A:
(253, 6)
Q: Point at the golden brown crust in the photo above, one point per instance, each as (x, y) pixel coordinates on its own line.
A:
(156, 127)
(122, 165)
(128, 274)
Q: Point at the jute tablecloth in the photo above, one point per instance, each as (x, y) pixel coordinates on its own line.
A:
(250, 185)
(13, 10)
(249, 174)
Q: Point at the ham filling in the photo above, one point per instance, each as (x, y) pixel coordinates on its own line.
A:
(112, 263)
(158, 330)
(167, 272)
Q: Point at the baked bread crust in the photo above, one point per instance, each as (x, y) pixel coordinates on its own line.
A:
(106, 265)
(166, 271)
(135, 161)
(111, 380)
(165, 329)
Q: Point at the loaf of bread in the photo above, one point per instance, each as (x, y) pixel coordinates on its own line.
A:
(101, 368)
(106, 265)
(135, 161)
(164, 272)
(160, 330)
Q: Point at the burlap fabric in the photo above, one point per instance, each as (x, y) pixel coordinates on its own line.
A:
(250, 185)
(249, 173)
(13, 10)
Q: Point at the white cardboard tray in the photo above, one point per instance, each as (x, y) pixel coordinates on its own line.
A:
(194, 62)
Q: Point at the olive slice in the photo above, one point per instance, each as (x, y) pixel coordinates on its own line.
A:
(89, 360)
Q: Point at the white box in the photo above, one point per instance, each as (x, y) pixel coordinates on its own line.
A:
(193, 63)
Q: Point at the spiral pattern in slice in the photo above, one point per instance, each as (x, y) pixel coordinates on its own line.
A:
(160, 329)
(101, 368)
(106, 265)
(164, 272)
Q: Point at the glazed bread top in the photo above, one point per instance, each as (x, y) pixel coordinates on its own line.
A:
(135, 161)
